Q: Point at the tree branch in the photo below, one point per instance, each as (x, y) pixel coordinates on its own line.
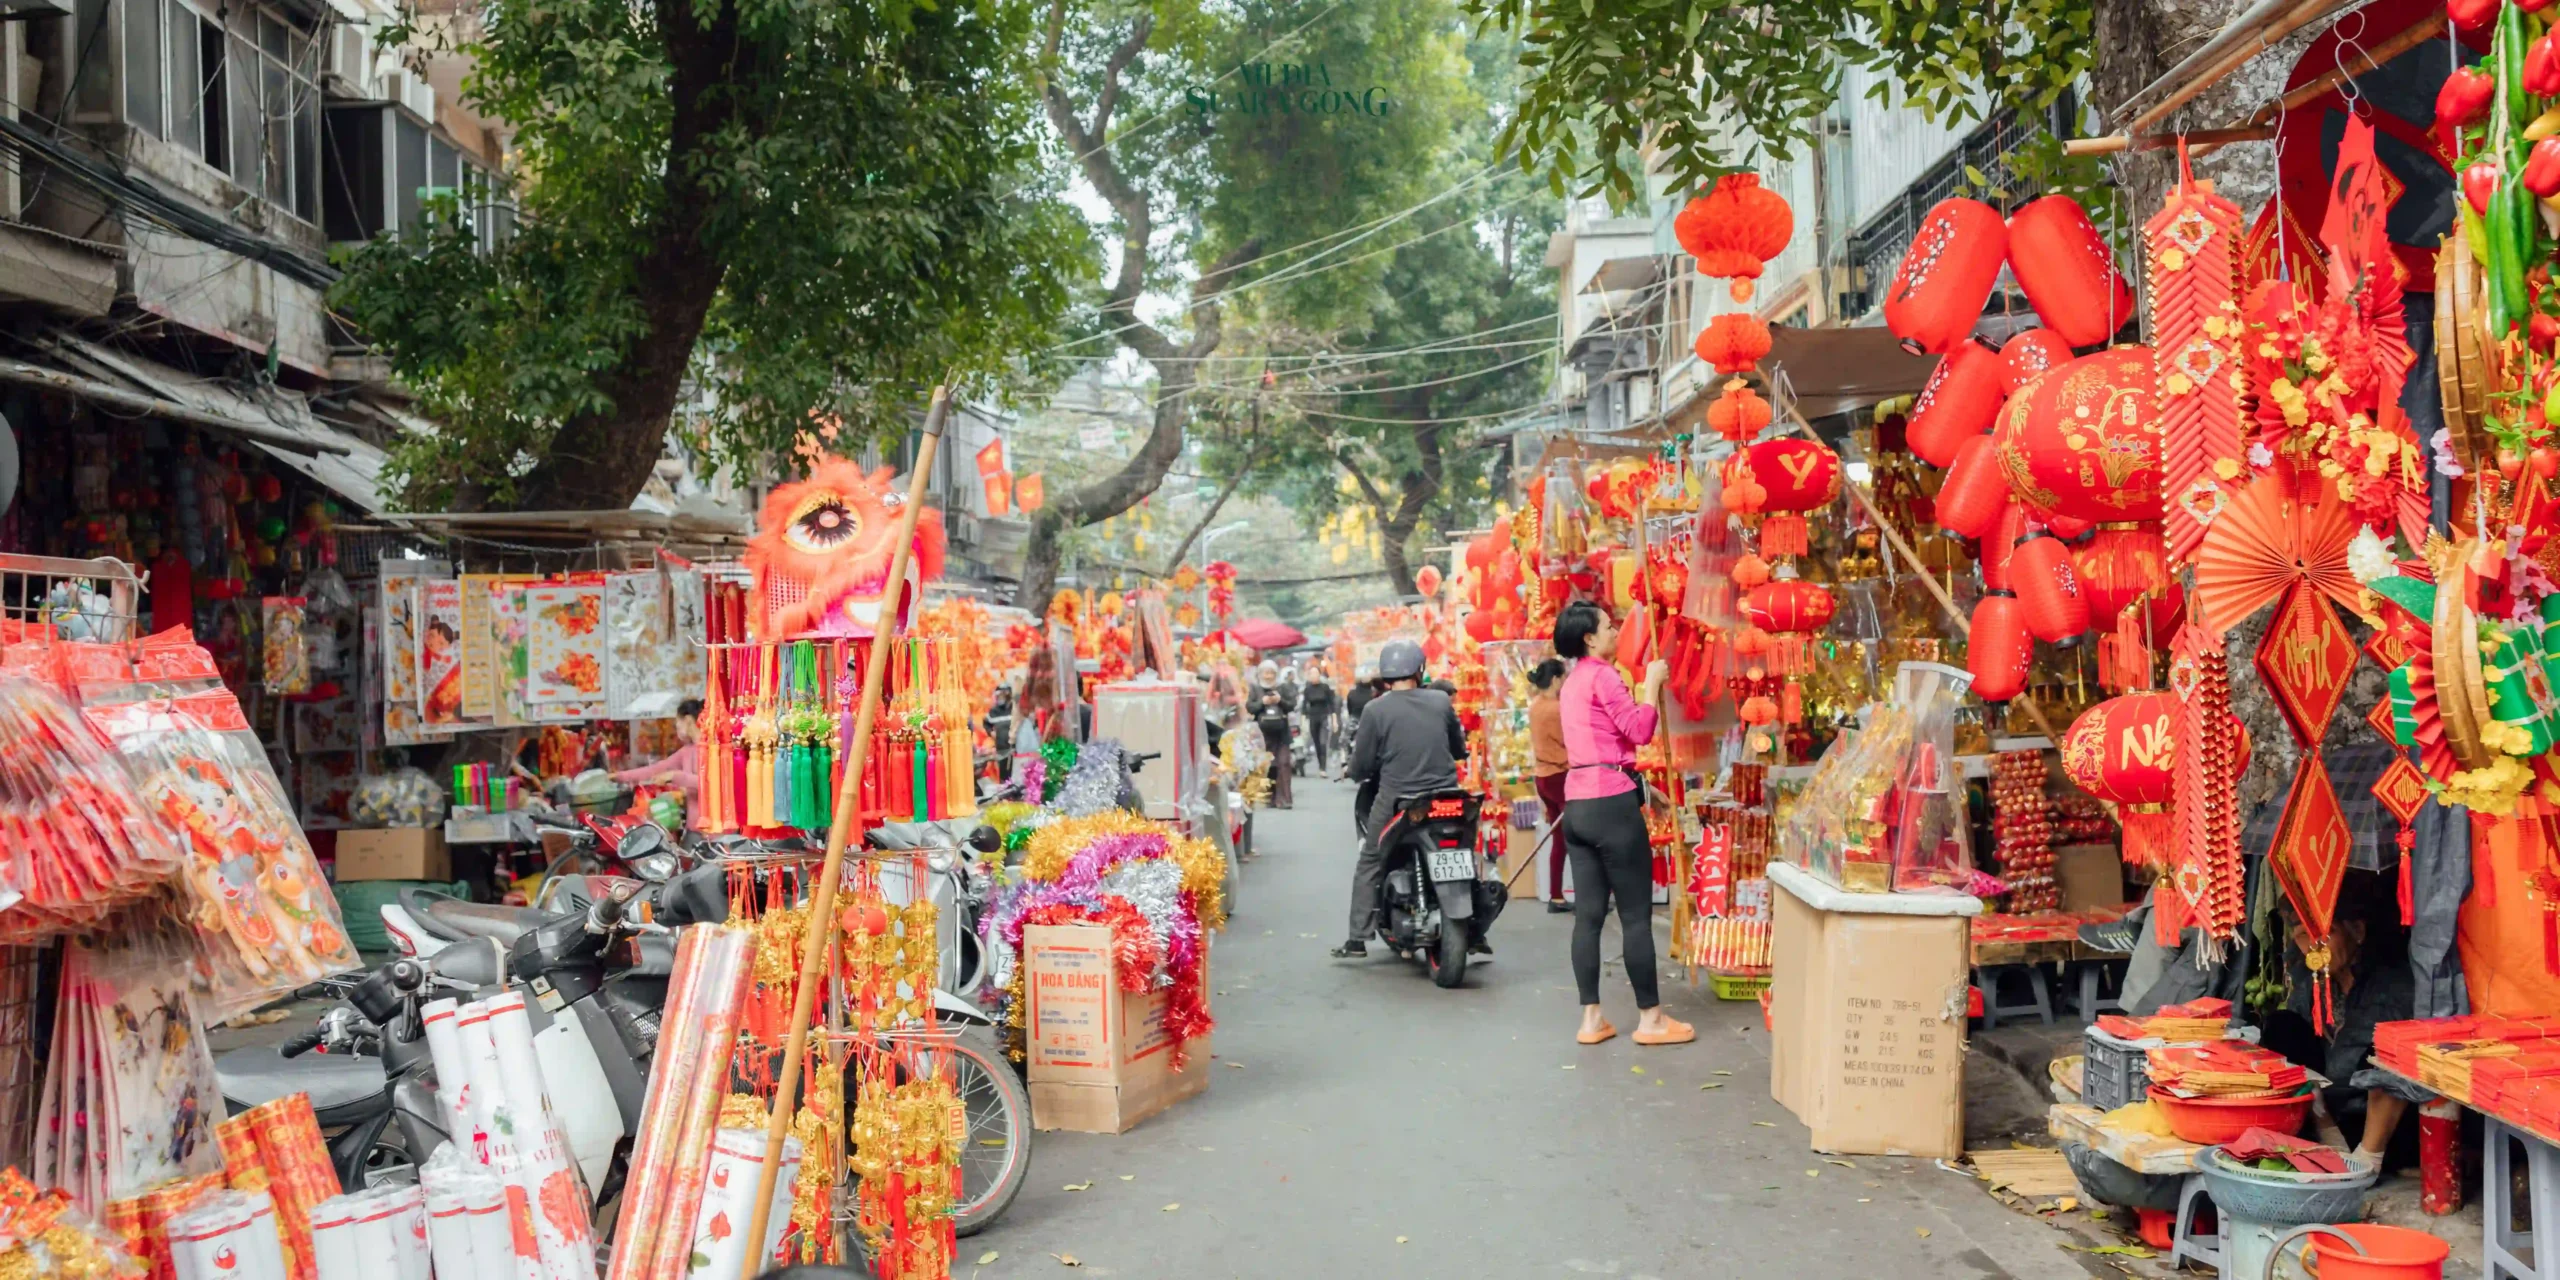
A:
(1225, 491)
(1112, 71)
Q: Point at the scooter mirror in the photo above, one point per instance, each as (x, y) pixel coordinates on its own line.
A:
(986, 839)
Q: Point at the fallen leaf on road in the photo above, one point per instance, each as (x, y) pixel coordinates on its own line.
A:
(1924, 1231)
(1078, 1186)
(1399, 1239)
(1171, 1207)
(1762, 1124)
(1127, 1176)
(1710, 1086)
(1724, 1073)
(1066, 1259)
(2067, 1203)
(1842, 1163)
(1866, 1200)
(1636, 1070)
(1237, 1065)
(1568, 1066)
(2127, 1250)
(1657, 1082)
(987, 1257)
(1208, 1148)
(1813, 1173)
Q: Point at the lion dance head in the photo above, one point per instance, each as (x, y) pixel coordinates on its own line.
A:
(821, 552)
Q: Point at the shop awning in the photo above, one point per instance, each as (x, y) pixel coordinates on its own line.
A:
(1836, 371)
(1620, 274)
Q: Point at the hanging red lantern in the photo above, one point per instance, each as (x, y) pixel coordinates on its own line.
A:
(1998, 649)
(1735, 228)
(2071, 529)
(1733, 343)
(1960, 400)
(1797, 475)
(2030, 353)
(1758, 709)
(2048, 592)
(1750, 571)
(1789, 605)
(1974, 492)
(1937, 296)
(1483, 548)
(1479, 626)
(2124, 751)
(2121, 562)
(1739, 414)
(2000, 543)
(1427, 580)
(2084, 440)
(2068, 274)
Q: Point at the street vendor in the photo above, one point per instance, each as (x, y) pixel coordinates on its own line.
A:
(2370, 982)
(683, 769)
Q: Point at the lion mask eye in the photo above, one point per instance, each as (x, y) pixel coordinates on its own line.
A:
(823, 522)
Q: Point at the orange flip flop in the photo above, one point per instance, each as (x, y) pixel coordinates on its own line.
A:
(1606, 1032)
(1674, 1031)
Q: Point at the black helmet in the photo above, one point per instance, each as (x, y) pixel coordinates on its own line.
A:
(1400, 660)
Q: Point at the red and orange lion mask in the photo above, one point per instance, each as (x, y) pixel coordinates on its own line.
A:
(821, 552)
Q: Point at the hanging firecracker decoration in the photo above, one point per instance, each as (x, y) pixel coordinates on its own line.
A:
(2084, 440)
(2064, 267)
(1998, 648)
(2123, 751)
(1739, 414)
(1735, 342)
(1959, 402)
(1936, 297)
(1975, 490)
(2207, 881)
(2030, 354)
(2192, 250)
(1794, 475)
(1734, 229)
(1222, 589)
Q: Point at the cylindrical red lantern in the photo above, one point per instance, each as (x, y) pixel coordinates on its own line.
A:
(2124, 751)
(2001, 543)
(2063, 264)
(2048, 592)
(1974, 491)
(1937, 296)
(1735, 228)
(1960, 400)
(1739, 414)
(1799, 475)
(2030, 353)
(2084, 440)
(1998, 649)
(1789, 605)
(1733, 342)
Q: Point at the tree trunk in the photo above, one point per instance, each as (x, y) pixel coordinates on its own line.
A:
(599, 461)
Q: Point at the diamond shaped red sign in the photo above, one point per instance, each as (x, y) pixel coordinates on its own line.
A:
(2310, 851)
(2306, 659)
(2379, 719)
(2401, 789)
(2386, 647)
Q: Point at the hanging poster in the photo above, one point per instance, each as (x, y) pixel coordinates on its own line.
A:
(564, 643)
(481, 666)
(640, 651)
(403, 618)
(440, 653)
(510, 627)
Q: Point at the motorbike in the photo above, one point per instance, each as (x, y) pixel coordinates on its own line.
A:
(1434, 900)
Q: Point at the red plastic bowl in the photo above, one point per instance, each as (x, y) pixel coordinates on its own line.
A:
(2217, 1120)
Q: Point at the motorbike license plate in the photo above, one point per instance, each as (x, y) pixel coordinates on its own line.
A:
(1452, 864)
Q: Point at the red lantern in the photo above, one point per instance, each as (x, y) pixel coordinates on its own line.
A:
(1998, 649)
(2048, 592)
(1739, 414)
(1961, 398)
(2071, 529)
(2084, 440)
(1798, 475)
(1750, 571)
(1937, 296)
(1974, 491)
(2031, 352)
(1999, 544)
(2069, 276)
(1427, 580)
(1789, 605)
(2121, 562)
(1733, 342)
(2124, 751)
(1735, 228)
(1483, 548)
(1758, 709)
(1479, 626)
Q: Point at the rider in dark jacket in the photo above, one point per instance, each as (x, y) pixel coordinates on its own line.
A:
(1409, 743)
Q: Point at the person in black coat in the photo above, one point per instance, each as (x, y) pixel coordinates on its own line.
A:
(1320, 701)
(1271, 703)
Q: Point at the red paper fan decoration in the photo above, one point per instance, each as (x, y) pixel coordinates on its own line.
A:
(2083, 441)
(1735, 228)
(1733, 343)
(1974, 492)
(1959, 401)
(2048, 592)
(2306, 659)
(1936, 297)
(2070, 278)
(1998, 648)
(2030, 354)
(2263, 543)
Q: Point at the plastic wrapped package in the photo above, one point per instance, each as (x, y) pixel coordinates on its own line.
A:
(466, 1215)
(713, 970)
(130, 1090)
(400, 798)
(77, 838)
(1885, 807)
(719, 1247)
(294, 1162)
(43, 1236)
(229, 1235)
(379, 1233)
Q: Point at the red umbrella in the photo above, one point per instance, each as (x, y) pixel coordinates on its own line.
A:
(1265, 633)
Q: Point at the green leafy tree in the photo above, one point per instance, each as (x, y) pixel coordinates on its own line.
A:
(1224, 139)
(773, 215)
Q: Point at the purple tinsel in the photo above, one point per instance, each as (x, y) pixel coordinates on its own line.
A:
(1035, 779)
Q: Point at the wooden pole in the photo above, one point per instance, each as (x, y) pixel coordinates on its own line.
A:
(820, 940)
(1662, 721)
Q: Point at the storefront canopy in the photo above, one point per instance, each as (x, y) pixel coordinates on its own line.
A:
(1834, 371)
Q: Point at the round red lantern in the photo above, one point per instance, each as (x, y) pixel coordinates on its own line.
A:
(1750, 571)
(2063, 264)
(1798, 475)
(2048, 592)
(1974, 492)
(1998, 649)
(2030, 352)
(1961, 398)
(1427, 580)
(2124, 751)
(1733, 342)
(1739, 414)
(1479, 626)
(1735, 228)
(2084, 440)
(1483, 548)
(1789, 605)
(1936, 298)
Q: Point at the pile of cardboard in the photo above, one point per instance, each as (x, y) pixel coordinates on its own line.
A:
(2224, 1069)
(2194, 1022)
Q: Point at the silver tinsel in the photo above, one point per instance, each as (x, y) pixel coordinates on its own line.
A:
(1154, 887)
(1093, 786)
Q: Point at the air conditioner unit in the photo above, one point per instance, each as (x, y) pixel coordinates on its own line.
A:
(351, 60)
(412, 92)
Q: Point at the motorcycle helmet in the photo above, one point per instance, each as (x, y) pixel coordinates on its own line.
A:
(1400, 660)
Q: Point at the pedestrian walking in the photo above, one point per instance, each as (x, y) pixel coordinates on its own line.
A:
(1319, 701)
(1271, 704)
(1546, 749)
(1603, 824)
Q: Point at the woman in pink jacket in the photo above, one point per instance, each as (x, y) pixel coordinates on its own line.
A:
(1603, 828)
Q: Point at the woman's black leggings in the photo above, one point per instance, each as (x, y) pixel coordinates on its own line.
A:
(1606, 840)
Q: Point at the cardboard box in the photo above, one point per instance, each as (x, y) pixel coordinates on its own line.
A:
(1100, 1060)
(393, 853)
(1868, 1013)
(2091, 876)
(1521, 848)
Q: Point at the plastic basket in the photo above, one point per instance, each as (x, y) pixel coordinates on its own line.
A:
(2114, 1072)
(1738, 986)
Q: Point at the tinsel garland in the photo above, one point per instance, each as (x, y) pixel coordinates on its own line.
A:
(1058, 758)
(1093, 785)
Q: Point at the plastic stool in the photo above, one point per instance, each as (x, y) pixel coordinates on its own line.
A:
(2188, 1244)
(2502, 1247)
(1987, 977)
(2088, 1003)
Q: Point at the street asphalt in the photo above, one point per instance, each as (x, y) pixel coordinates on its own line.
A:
(1360, 1122)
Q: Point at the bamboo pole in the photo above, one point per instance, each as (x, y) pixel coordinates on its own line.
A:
(820, 941)
(1662, 721)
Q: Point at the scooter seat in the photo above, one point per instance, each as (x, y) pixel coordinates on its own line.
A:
(453, 919)
(260, 1074)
